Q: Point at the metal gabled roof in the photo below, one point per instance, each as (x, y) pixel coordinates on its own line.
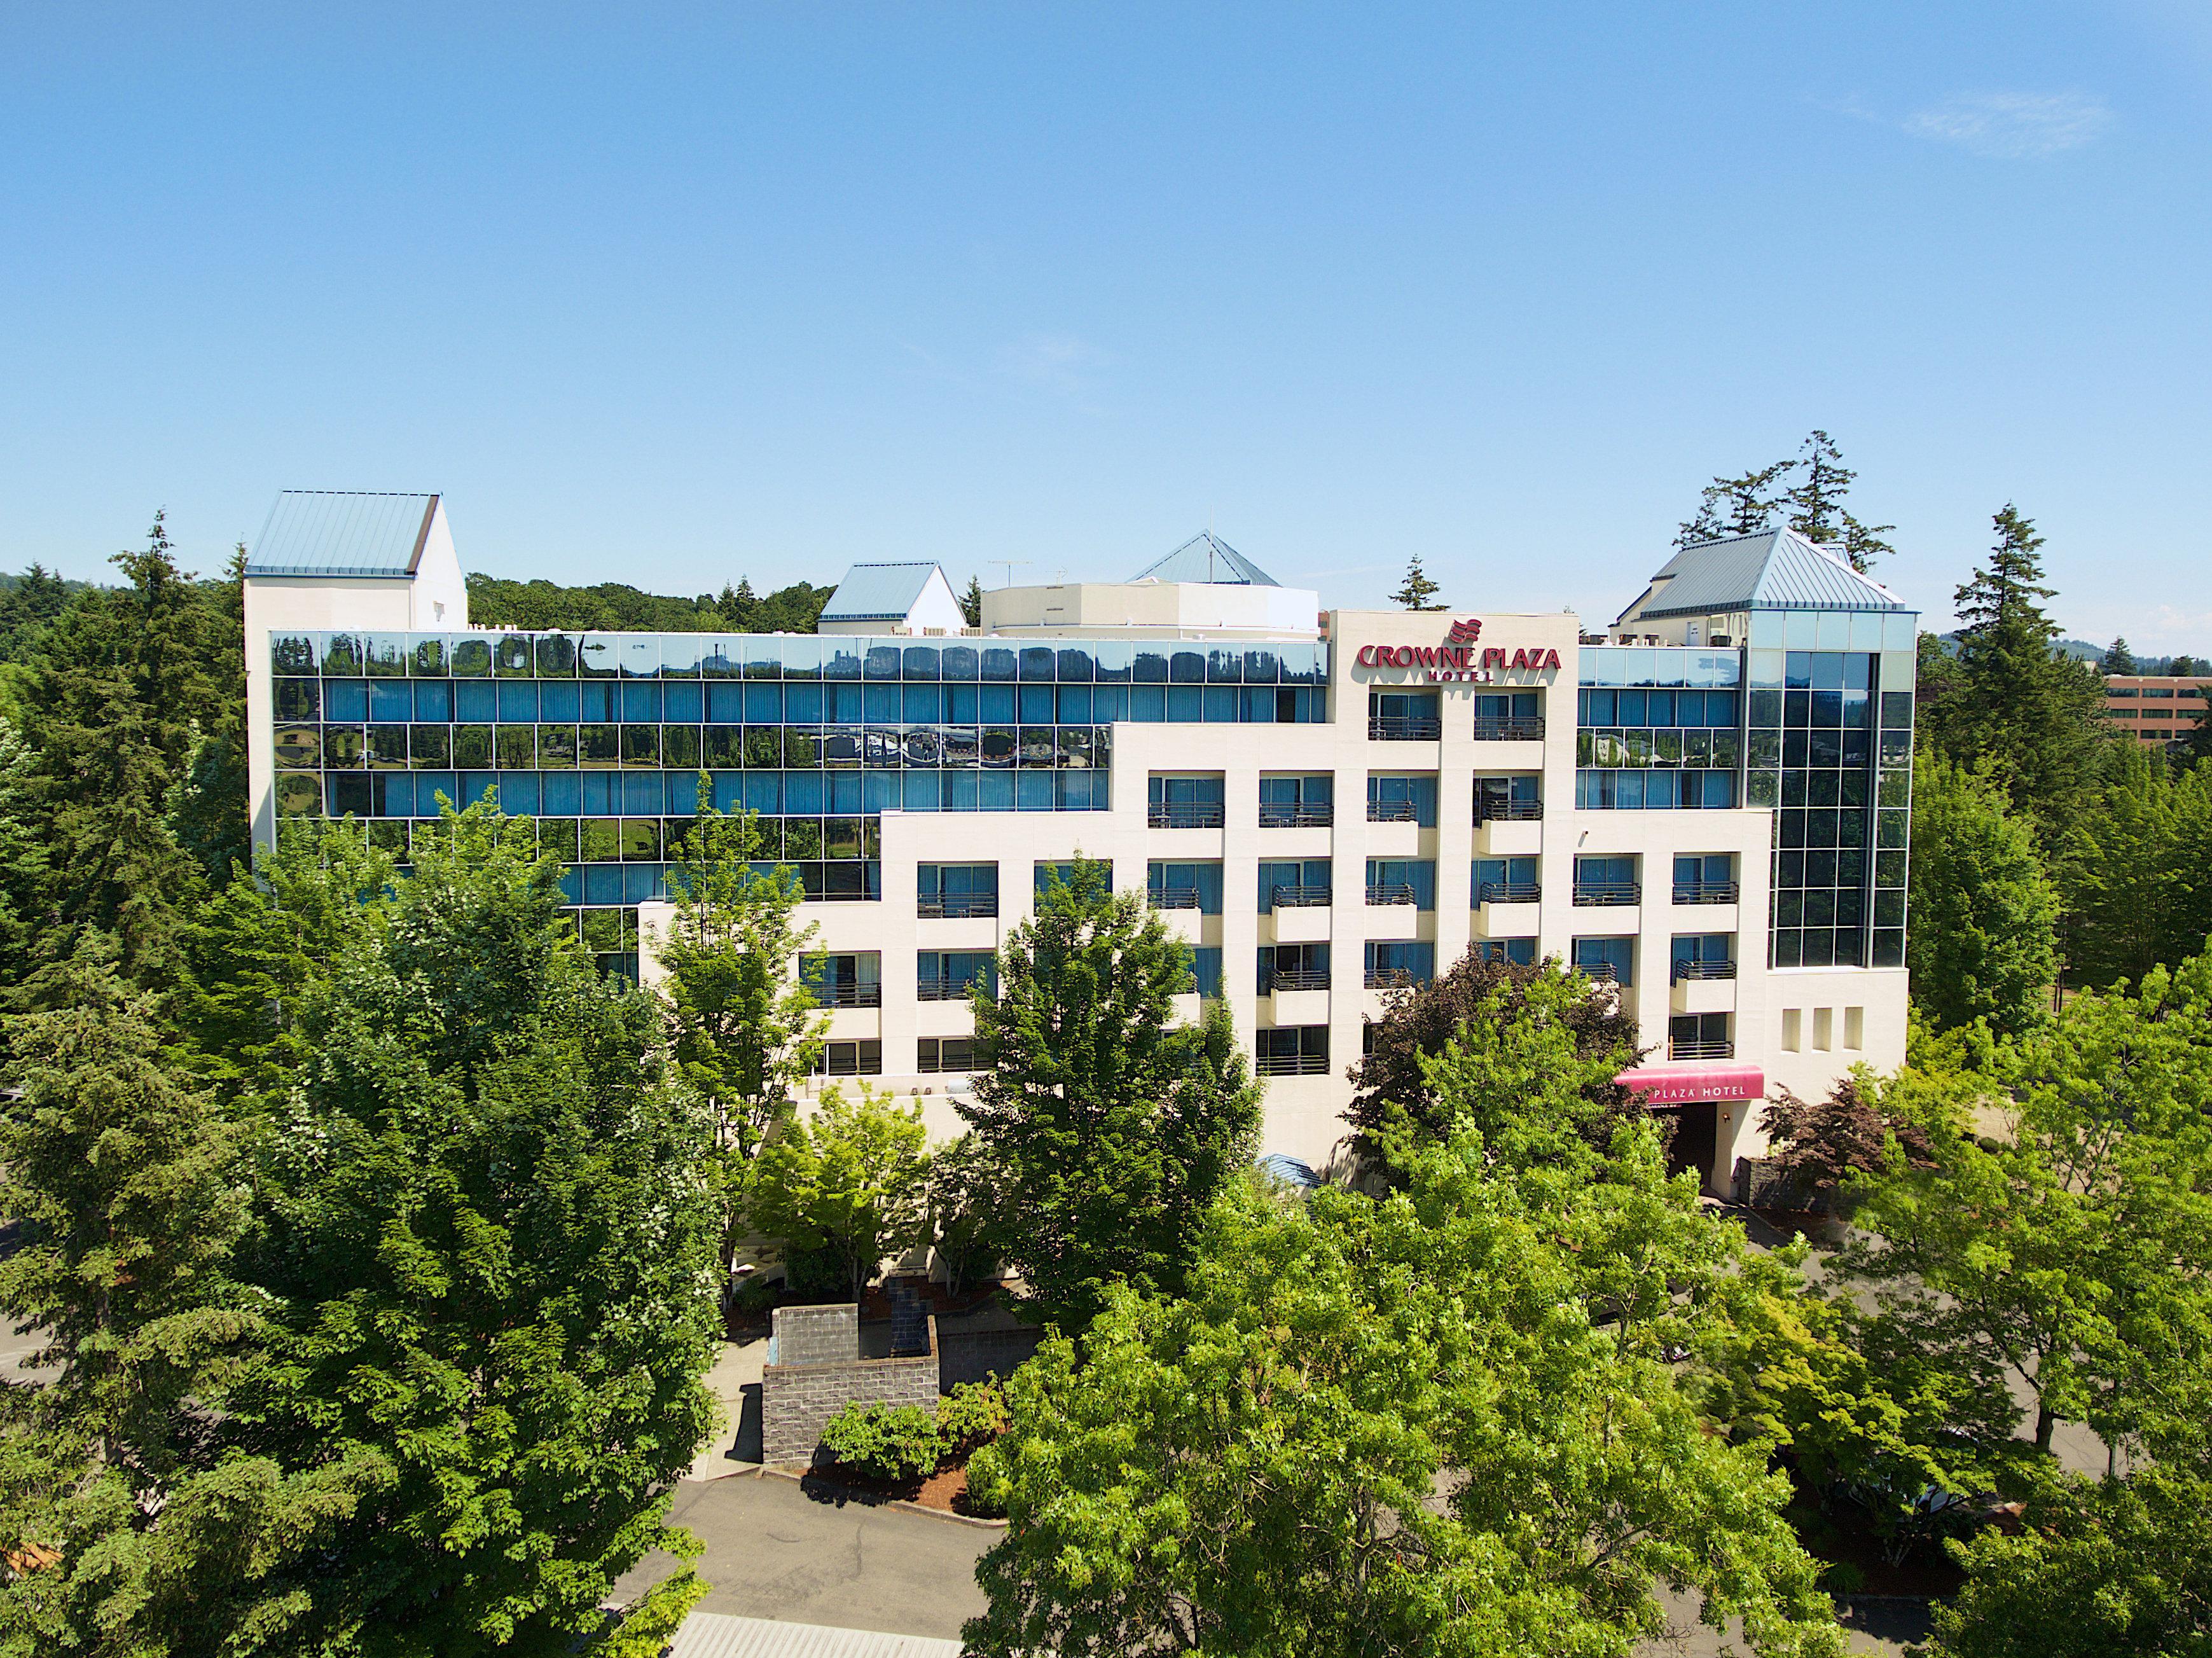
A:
(721, 1635)
(1206, 557)
(877, 592)
(342, 533)
(1774, 570)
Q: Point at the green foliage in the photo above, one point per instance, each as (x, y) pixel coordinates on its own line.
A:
(487, 1248)
(1393, 1096)
(1115, 1126)
(1736, 506)
(29, 603)
(971, 602)
(852, 1178)
(743, 1030)
(649, 1623)
(496, 602)
(1810, 492)
(1401, 1427)
(885, 1441)
(2043, 1256)
(1817, 1146)
(1418, 593)
(2015, 704)
(2139, 878)
(973, 1413)
(969, 1204)
(2117, 658)
(1983, 943)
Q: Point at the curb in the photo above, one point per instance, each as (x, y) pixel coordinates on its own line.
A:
(797, 1476)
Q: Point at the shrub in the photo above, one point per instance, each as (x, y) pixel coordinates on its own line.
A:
(885, 1441)
(754, 1299)
(971, 1413)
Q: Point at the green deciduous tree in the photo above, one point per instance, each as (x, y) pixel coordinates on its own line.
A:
(1115, 1126)
(1983, 941)
(743, 1028)
(2065, 1251)
(1399, 1427)
(852, 1178)
(488, 1246)
(1393, 1095)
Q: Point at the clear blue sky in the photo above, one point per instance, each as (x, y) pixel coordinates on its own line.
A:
(667, 295)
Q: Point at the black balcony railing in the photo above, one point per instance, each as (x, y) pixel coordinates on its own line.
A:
(1714, 1050)
(1186, 816)
(1391, 893)
(1290, 1065)
(1173, 897)
(1507, 812)
(1509, 731)
(1403, 728)
(1603, 894)
(1393, 812)
(1300, 898)
(942, 989)
(1296, 978)
(1603, 972)
(1390, 978)
(1277, 816)
(957, 903)
(1703, 970)
(847, 995)
(1705, 892)
(1510, 892)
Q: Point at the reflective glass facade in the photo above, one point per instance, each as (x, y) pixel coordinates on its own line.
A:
(602, 738)
(1658, 729)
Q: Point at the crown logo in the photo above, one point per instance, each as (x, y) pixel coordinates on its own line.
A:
(1466, 632)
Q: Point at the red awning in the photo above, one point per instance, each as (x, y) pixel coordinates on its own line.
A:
(1685, 1084)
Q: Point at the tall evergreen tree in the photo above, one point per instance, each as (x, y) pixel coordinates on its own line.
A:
(1736, 506)
(1419, 591)
(1115, 1126)
(971, 602)
(2032, 716)
(2117, 658)
(1983, 940)
(2184, 666)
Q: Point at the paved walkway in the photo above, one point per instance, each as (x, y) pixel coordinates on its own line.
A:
(717, 1635)
(735, 1380)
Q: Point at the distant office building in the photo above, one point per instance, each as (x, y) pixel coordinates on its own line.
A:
(2158, 708)
(1704, 807)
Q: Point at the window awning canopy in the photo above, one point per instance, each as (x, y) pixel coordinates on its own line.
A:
(1687, 1084)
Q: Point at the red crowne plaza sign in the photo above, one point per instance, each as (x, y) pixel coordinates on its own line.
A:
(1458, 657)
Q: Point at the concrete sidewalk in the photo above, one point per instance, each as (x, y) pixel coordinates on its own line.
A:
(735, 1380)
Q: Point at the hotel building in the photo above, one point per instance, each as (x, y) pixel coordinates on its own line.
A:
(1704, 806)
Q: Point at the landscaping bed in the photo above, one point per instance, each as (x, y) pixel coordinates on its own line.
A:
(945, 1490)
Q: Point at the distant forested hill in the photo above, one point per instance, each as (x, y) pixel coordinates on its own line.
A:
(614, 606)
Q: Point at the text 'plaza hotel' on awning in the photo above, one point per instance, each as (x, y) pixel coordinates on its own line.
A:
(1704, 806)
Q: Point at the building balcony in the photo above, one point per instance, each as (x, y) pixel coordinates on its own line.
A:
(1603, 973)
(1393, 812)
(1703, 970)
(1172, 897)
(1290, 1065)
(942, 990)
(847, 995)
(1604, 894)
(1720, 1050)
(1706, 892)
(1282, 817)
(1510, 892)
(1392, 978)
(1509, 730)
(1702, 995)
(1382, 728)
(1189, 817)
(1508, 812)
(1300, 898)
(956, 904)
(1399, 893)
(1294, 978)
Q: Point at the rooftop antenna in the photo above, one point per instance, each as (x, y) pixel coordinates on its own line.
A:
(1007, 564)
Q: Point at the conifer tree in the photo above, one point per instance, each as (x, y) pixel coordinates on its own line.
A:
(2184, 667)
(2016, 705)
(2117, 658)
(2138, 882)
(1419, 591)
(971, 602)
(1736, 506)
